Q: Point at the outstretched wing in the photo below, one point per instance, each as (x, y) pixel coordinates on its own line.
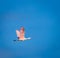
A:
(27, 38)
(18, 33)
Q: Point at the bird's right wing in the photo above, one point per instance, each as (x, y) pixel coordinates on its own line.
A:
(18, 33)
(27, 38)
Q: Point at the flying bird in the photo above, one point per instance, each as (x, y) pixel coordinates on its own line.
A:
(21, 34)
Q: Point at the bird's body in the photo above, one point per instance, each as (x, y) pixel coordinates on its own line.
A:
(21, 34)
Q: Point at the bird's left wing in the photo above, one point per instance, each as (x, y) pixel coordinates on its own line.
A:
(18, 33)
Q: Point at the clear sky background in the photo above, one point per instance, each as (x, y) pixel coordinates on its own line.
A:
(41, 20)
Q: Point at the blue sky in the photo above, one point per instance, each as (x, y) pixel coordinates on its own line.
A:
(41, 20)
